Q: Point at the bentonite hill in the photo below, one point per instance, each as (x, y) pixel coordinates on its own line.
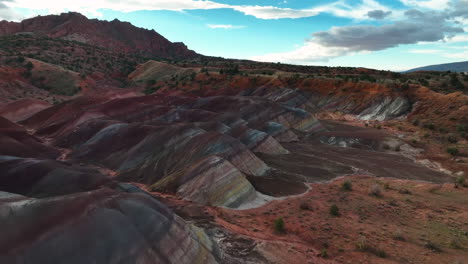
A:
(118, 146)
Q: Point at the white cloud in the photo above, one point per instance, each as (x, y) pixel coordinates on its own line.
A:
(271, 12)
(341, 8)
(348, 40)
(457, 55)
(350, 9)
(458, 38)
(93, 7)
(309, 52)
(425, 51)
(219, 26)
(431, 4)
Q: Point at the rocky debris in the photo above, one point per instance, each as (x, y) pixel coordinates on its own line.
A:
(387, 109)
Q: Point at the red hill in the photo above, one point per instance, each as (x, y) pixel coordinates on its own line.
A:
(115, 35)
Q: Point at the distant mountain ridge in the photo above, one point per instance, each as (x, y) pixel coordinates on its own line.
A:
(115, 35)
(453, 67)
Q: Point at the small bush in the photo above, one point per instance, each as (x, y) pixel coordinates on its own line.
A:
(334, 210)
(404, 191)
(347, 185)
(432, 246)
(386, 146)
(380, 253)
(398, 235)
(452, 139)
(455, 244)
(375, 190)
(362, 245)
(387, 186)
(304, 206)
(279, 225)
(460, 181)
(324, 253)
(430, 126)
(453, 151)
(461, 128)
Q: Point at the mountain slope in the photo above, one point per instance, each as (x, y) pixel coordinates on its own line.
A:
(454, 67)
(115, 35)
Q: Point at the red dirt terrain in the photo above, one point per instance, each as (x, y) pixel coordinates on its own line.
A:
(145, 161)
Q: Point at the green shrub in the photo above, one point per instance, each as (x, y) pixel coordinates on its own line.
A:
(324, 253)
(150, 90)
(453, 151)
(461, 128)
(347, 185)
(380, 253)
(279, 225)
(304, 206)
(460, 181)
(334, 210)
(452, 139)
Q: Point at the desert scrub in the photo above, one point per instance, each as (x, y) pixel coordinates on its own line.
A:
(398, 235)
(361, 244)
(347, 185)
(453, 151)
(460, 181)
(375, 190)
(304, 206)
(431, 246)
(279, 225)
(334, 210)
(324, 253)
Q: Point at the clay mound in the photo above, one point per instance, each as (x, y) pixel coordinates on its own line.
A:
(15, 141)
(150, 139)
(22, 109)
(158, 71)
(212, 181)
(46, 178)
(81, 228)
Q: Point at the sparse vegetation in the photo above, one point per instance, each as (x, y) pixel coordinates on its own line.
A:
(324, 253)
(431, 246)
(453, 151)
(460, 181)
(398, 235)
(375, 190)
(361, 244)
(304, 206)
(334, 210)
(279, 225)
(347, 185)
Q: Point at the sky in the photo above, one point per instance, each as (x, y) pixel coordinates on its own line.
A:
(381, 34)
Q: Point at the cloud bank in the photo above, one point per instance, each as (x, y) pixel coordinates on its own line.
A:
(416, 26)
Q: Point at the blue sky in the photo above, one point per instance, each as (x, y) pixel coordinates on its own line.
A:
(381, 34)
